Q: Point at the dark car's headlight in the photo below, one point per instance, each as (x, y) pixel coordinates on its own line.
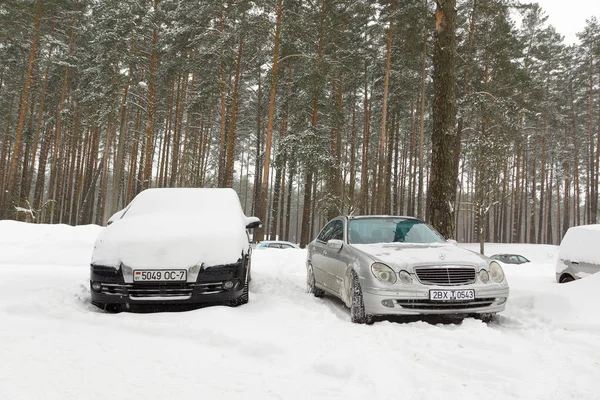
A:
(496, 272)
(383, 273)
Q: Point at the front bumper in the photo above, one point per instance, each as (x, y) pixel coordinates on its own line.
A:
(207, 288)
(415, 301)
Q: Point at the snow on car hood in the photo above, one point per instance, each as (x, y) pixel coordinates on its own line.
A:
(170, 242)
(409, 255)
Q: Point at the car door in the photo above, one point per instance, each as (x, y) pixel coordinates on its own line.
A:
(338, 260)
(583, 268)
(318, 253)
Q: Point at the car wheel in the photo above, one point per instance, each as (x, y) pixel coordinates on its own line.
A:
(487, 317)
(243, 299)
(566, 279)
(357, 305)
(109, 308)
(311, 283)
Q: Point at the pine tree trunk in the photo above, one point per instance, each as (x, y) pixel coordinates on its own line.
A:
(261, 212)
(4, 155)
(382, 137)
(567, 209)
(13, 184)
(232, 124)
(149, 148)
(120, 156)
(257, 158)
(364, 172)
(352, 183)
(308, 211)
(542, 182)
(442, 187)
(549, 235)
(422, 129)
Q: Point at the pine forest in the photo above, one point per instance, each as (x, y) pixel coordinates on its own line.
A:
(472, 109)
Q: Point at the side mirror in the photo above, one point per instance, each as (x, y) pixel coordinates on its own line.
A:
(335, 244)
(253, 223)
(452, 241)
(109, 222)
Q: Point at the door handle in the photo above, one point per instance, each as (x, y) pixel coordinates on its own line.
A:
(574, 263)
(324, 252)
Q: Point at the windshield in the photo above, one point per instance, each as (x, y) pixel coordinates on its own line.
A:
(391, 230)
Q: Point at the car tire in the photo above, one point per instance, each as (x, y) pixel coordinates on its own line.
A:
(566, 279)
(311, 283)
(243, 299)
(487, 317)
(358, 314)
(108, 307)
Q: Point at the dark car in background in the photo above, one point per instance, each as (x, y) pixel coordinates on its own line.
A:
(510, 258)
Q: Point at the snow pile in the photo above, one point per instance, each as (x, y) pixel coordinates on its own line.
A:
(25, 243)
(285, 343)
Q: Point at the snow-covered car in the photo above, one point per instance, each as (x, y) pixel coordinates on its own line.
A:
(578, 253)
(276, 244)
(390, 265)
(174, 246)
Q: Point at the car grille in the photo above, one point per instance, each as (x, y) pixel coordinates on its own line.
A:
(141, 291)
(438, 305)
(445, 275)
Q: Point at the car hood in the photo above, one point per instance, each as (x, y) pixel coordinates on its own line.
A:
(156, 243)
(409, 255)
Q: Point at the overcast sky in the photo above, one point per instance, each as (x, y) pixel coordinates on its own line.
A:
(568, 16)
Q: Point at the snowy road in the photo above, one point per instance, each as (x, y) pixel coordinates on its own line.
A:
(286, 344)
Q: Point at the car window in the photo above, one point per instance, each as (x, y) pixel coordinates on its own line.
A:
(338, 230)
(391, 229)
(523, 259)
(327, 232)
(286, 246)
(274, 245)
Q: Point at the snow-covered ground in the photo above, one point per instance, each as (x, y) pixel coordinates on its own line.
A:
(284, 344)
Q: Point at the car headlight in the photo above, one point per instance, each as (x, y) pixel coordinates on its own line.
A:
(405, 277)
(496, 272)
(384, 273)
(484, 276)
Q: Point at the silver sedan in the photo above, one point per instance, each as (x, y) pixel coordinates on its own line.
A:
(387, 265)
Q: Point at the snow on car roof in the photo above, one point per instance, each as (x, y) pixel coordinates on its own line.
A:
(176, 227)
(203, 201)
(581, 244)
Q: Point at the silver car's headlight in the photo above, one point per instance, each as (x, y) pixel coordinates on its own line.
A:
(384, 273)
(496, 272)
(405, 277)
(484, 276)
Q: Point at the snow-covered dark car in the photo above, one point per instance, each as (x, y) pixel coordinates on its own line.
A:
(388, 265)
(174, 246)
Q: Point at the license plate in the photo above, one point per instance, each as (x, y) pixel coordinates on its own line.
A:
(452, 295)
(164, 275)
